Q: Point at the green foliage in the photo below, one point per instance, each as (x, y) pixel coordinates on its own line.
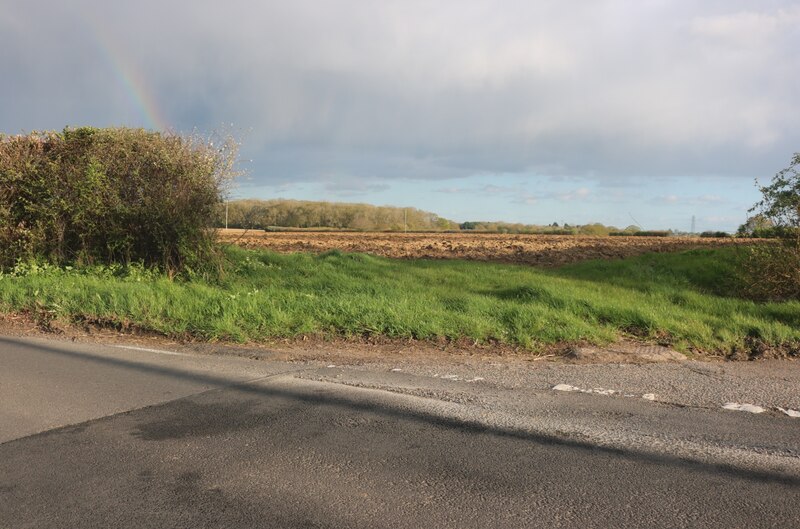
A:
(780, 202)
(509, 227)
(683, 299)
(715, 234)
(773, 270)
(114, 195)
(758, 226)
(280, 213)
(596, 230)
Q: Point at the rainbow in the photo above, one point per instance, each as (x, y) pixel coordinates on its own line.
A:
(130, 77)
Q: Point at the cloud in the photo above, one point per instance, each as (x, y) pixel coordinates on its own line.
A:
(452, 190)
(702, 200)
(522, 196)
(528, 200)
(711, 199)
(354, 187)
(352, 90)
(577, 194)
(482, 190)
(745, 26)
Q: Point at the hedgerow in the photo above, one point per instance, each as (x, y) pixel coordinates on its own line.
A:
(113, 195)
(772, 271)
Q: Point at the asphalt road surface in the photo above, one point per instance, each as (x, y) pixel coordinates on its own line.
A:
(110, 437)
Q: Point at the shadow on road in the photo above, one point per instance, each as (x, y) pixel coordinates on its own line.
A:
(387, 410)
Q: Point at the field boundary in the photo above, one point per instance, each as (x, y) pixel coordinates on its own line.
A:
(358, 350)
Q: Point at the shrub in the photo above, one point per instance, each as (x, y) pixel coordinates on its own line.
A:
(715, 234)
(757, 227)
(772, 271)
(769, 233)
(596, 229)
(113, 195)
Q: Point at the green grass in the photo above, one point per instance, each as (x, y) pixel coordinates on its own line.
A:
(683, 298)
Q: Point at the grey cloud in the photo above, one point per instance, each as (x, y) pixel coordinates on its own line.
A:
(351, 90)
(701, 200)
(520, 194)
(453, 190)
(484, 190)
(574, 195)
(350, 187)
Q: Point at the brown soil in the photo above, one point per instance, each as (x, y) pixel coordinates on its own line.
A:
(540, 250)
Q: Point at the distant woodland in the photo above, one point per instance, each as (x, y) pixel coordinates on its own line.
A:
(280, 213)
(301, 214)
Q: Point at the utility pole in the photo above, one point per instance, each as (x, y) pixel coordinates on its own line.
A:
(405, 220)
(693, 225)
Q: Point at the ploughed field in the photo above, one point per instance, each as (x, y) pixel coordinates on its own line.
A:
(541, 250)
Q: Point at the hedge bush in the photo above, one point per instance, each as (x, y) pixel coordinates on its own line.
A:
(772, 271)
(114, 195)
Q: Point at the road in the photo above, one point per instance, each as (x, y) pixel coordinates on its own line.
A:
(105, 436)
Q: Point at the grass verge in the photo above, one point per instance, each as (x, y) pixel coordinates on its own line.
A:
(682, 299)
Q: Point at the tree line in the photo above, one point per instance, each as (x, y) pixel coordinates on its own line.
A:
(284, 213)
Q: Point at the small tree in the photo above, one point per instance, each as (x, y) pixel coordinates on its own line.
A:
(756, 226)
(781, 198)
(773, 270)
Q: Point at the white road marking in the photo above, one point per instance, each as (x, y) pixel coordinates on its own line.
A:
(598, 391)
(145, 349)
(565, 387)
(743, 407)
(750, 408)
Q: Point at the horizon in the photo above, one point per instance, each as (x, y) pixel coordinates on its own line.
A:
(475, 220)
(613, 112)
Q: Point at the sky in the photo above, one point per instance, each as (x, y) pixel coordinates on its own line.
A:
(621, 112)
